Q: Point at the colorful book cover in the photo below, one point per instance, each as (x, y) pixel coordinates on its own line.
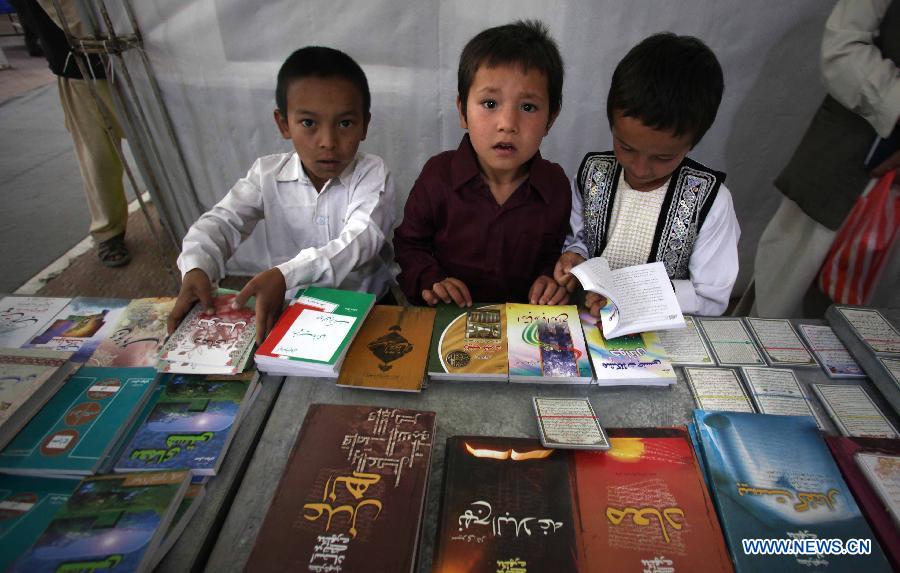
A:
(109, 523)
(28, 378)
(546, 344)
(189, 505)
(625, 360)
(22, 317)
(220, 339)
(469, 343)
(773, 478)
(136, 339)
(27, 505)
(80, 327)
(76, 429)
(507, 505)
(391, 350)
(873, 507)
(191, 425)
(643, 506)
(352, 494)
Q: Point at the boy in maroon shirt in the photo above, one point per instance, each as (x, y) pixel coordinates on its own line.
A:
(487, 221)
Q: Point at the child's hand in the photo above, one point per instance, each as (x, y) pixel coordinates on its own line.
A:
(547, 291)
(594, 302)
(268, 287)
(561, 271)
(447, 290)
(194, 286)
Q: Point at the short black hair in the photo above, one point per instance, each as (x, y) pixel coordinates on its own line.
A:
(320, 62)
(668, 82)
(526, 43)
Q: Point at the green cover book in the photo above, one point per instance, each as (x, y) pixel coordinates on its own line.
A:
(27, 505)
(76, 429)
(469, 343)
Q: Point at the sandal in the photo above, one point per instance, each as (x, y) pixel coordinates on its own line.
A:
(113, 252)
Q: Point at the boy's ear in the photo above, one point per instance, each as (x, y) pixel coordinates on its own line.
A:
(282, 124)
(551, 120)
(462, 116)
(366, 119)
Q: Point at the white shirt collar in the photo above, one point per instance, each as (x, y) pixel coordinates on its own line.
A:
(293, 171)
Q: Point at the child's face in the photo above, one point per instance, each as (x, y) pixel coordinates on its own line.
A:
(507, 115)
(648, 156)
(326, 122)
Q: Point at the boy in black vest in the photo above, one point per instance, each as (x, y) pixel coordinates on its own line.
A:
(646, 201)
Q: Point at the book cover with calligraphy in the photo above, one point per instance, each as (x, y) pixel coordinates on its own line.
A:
(28, 378)
(546, 344)
(80, 424)
(507, 505)
(80, 327)
(22, 317)
(633, 359)
(27, 505)
(875, 509)
(469, 344)
(352, 493)
(109, 523)
(137, 337)
(191, 425)
(643, 506)
(391, 350)
(772, 477)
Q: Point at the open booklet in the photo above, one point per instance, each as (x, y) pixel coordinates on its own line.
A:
(641, 297)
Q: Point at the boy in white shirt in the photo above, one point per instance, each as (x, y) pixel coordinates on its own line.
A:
(646, 201)
(328, 208)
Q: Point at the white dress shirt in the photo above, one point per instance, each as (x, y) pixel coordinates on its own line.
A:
(336, 237)
(713, 266)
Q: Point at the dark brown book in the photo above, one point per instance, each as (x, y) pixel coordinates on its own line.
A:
(391, 350)
(507, 505)
(352, 493)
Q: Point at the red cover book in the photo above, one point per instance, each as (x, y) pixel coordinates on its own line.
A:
(844, 449)
(643, 506)
(352, 494)
(287, 318)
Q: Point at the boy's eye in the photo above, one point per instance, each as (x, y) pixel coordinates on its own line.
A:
(345, 123)
(529, 107)
(489, 104)
(307, 122)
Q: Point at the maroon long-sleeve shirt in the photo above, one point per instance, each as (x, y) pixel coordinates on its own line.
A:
(453, 227)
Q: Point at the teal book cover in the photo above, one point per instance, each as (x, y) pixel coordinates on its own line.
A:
(27, 505)
(190, 426)
(772, 477)
(109, 523)
(77, 428)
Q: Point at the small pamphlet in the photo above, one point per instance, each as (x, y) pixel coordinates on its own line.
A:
(831, 352)
(883, 472)
(892, 367)
(718, 389)
(569, 423)
(871, 326)
(685, 346)
(641, 297)
(853, 411)
(730, 342)
(777, 391)
(780, 343)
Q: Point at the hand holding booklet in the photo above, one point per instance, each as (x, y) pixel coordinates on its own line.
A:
(641, 297)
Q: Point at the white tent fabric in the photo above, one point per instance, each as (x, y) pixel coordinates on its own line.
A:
(216, 62)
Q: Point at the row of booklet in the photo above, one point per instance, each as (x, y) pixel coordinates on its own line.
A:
(352, 497)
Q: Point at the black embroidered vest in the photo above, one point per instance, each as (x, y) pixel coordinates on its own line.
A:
(692, 189)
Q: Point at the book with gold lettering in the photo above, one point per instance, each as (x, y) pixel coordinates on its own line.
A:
(352, 493)
(772, 477)
(643, 506)
(109, 523)
(390, 351)
(507, 505)
(469, 344)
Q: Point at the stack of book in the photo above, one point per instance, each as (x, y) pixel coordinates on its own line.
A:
(217, 343)
(314, 333)
(80, 327)
(469, 344)
(629, 360)
(22, 317)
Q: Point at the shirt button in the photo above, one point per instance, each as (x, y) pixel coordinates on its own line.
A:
(321, 220)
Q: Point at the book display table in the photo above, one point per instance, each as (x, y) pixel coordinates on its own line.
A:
(478, 408)
(195, 543)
